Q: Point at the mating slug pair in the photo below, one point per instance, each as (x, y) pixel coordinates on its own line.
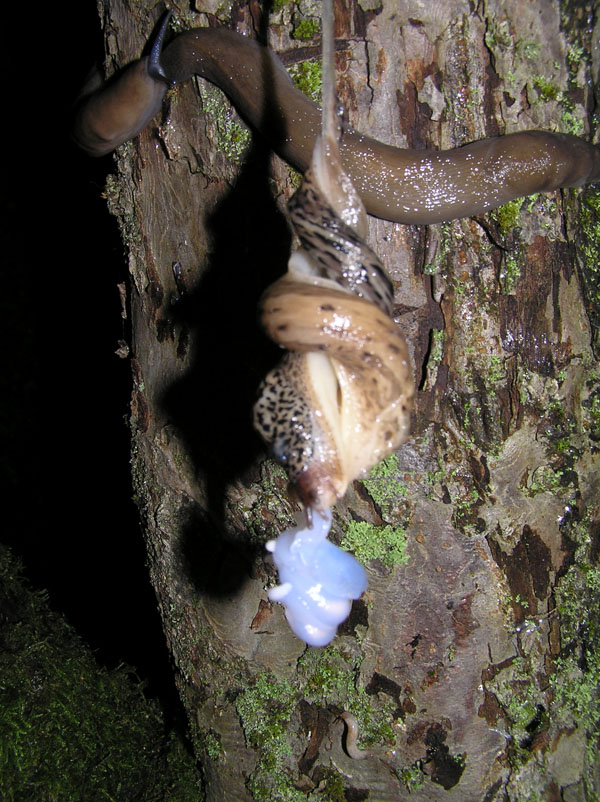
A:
(341, 398)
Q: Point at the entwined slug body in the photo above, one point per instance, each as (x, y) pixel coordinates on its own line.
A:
(340, 401)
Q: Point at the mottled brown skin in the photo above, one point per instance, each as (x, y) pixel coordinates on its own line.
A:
(340, 401)
(307, 317)
(406, 186)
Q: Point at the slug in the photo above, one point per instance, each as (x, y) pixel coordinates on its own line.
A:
(117, 111)
(402, 185)
(352, 738)
(340, 399)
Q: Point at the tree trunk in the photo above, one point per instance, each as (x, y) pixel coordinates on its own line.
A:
(470, 663)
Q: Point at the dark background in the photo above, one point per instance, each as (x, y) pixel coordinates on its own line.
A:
(68, 512)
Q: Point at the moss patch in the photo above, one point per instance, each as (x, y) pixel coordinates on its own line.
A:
(308, 78)
(70, 730)
(384, 485)
(576, 683)
(265, 709)
(231, 138)
(370, 542)
(330, 678)
(589, 248)
(306, 29)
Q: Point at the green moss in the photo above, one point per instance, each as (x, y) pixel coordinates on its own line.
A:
(546, 89)
(330, 677)
(333, 790)
(208, 741)
(528, 48)
(591, 406)
(412, 776)
(517, 689)
(507, 215)
(370, 542)
(576, 683)
(544, 479)
(548, 92)
(575, 55)
(437, 347)
(498, 35)
(443, 251)
(265, 710)
(384, 485)
(70, 730)
(232, 139)
(507, 219)
(306, 29)
(566, 699)
(589, 250)
(510, 273)
(571, 122)
(308, 77)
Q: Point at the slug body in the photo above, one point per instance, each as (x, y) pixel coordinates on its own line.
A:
(340, 400)
(344, 380)
(121, 108)
(352, 738)
(402, 185)
(119, 111)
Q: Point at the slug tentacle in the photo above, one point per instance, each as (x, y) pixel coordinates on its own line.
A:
(402, 185)
(155, 68)
(121, 108)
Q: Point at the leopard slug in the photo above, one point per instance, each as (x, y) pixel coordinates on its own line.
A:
(340, 400)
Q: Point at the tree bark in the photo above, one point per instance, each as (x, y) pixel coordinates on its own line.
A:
(469, 663)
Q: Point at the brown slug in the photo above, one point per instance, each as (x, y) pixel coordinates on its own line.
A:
(340, 400)
(402, 185)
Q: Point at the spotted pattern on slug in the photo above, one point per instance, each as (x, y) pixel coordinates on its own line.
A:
(283, 418)
(350, 367)
(348, 362)
(336, 250)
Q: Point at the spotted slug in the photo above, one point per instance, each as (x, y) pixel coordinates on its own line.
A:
(340, 400)
(402, 185)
